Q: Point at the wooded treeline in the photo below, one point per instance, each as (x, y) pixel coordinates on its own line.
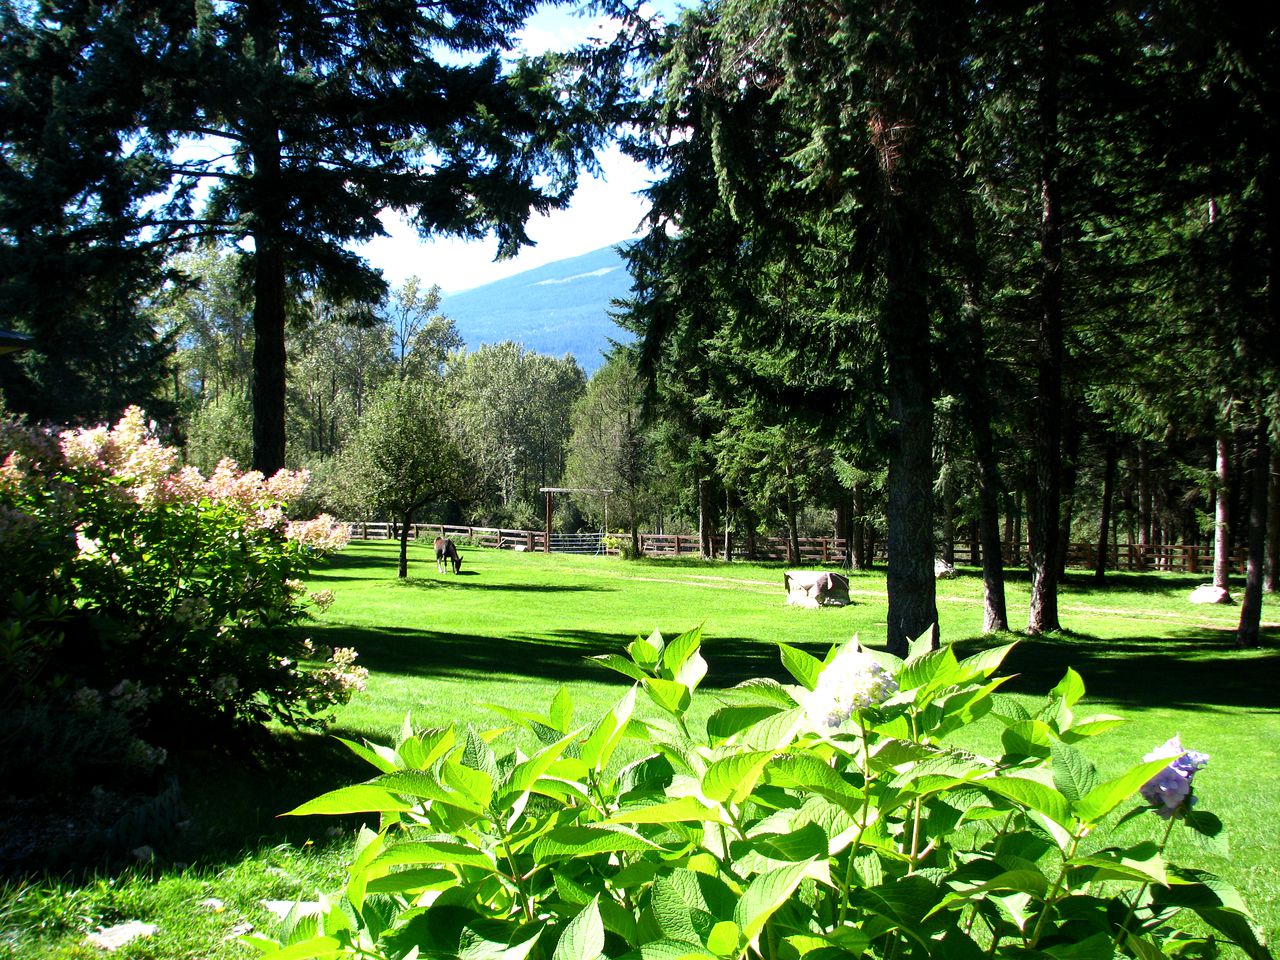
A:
(1019, 251)
(915, 271)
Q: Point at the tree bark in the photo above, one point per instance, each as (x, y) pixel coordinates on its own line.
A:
(1272, 583)
(405, 525)
(1144, 504)
(1249, 632)
(269, 268)
(1222, 514)
(858, 546)
(1070, 473)
(1108, 492)
(706, 546)
(1043, 505)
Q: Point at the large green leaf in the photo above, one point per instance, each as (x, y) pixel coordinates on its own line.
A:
(582, 937)
(773, 733)
(1032, 794)
(361, 798)
(803, 666)
(983, 663)
(765, 690)
(526, 773)
(764, 895)
(671, 912)
(366, 752)
(928, 671)
(647, 651)
(434, 853)
(1090, 727)
(412, 881)
(1073, 775)
(733, 778)
(727, 721)
(804, 843)
(562, 710)
(681, 660)
(424, 786)
(668, 950)
(621, 664)
(1097, 947)
(1069, 689)
(603, 740)
(475, 785)
(1105, 797)
(1217, 903)
(679, 810)
(671, 696)
(568, 842)
(1142, 862)
(806, 772)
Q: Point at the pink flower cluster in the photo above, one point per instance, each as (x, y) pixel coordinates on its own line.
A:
(148, 470)
(322, 533)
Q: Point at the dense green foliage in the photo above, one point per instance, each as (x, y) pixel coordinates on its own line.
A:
(142, 604)
(515, 632)
(830, 815)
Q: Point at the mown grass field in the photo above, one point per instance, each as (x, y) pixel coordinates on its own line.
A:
(513, 628)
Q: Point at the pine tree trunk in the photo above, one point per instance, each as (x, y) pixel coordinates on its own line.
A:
(269, 268)
(1108, 491)
(1272, 583)
(1070, 473)
(948, 545)
(1144, 504)
(1222, 514)
(706, 548)
(859, 545)
(793, 532)
(1043, 505)
(1249, 632)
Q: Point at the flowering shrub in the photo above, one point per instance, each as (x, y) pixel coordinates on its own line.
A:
(830, 818)
(156, 592)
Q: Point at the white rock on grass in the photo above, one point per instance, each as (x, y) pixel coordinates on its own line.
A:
(112, 939)
(943, 570)
(1208, 593)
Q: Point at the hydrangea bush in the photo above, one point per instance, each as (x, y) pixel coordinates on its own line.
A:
(136, 586)
(833, 817)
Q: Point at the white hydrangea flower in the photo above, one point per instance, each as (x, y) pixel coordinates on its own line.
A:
(853, 680)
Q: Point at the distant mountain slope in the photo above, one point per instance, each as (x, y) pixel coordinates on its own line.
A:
(557, 309)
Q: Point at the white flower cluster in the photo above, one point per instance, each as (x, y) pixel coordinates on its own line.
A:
(852, 681)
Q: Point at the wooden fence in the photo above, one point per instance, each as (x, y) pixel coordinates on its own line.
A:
(1178, 558)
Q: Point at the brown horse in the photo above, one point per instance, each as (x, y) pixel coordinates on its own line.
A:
(446, 550)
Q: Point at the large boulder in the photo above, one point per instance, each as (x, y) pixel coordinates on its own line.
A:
(943, 570)
(1208, 593)
(816, 588)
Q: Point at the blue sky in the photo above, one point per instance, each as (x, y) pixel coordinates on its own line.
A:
(604, 211)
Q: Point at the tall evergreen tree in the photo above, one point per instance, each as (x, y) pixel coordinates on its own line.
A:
(287, 129)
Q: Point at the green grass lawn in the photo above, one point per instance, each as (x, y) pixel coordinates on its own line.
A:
(513, 628)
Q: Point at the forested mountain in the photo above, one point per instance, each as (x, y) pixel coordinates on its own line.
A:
(560, 308)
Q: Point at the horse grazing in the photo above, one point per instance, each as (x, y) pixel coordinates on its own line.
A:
(446, 550)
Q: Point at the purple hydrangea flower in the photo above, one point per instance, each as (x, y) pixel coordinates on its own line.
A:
(1170, 789)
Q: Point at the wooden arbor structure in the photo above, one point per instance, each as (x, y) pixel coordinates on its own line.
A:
(549, 491)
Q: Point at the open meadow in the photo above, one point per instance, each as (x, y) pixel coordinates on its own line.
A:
(512, 628)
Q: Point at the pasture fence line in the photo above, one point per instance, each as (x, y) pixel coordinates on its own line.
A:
(1172, 557)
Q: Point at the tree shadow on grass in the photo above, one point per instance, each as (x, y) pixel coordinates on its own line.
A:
(427, 583)
(1191, 669)
(559, 656)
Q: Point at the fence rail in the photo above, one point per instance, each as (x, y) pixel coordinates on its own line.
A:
(1175, 557)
